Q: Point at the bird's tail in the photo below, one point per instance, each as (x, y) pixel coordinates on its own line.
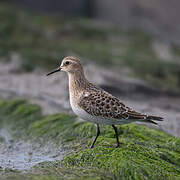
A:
(151, 119)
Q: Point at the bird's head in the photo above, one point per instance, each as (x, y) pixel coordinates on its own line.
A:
(70, 65)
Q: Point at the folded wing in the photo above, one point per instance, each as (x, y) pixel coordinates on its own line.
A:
(100, 103)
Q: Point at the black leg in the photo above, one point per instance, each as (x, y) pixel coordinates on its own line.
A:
(98, 132)
(117, 136)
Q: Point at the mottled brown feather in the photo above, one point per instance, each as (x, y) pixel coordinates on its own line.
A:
(98, 102)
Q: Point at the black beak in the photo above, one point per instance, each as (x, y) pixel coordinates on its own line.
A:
(54, 71)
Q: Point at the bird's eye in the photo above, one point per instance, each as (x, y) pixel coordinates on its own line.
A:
(67, 62)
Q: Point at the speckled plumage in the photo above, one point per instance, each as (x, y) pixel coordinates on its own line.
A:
(94, 104)
(98, 102)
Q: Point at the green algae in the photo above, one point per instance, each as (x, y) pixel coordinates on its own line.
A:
(18, 115)
(144, 153)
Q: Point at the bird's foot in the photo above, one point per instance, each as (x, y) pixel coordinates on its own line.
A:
(117, 145)
(92, 146)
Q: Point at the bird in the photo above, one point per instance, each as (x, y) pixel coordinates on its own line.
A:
(92, 103)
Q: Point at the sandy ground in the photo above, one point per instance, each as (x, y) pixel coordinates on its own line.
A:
(23, 155)
(52, 92)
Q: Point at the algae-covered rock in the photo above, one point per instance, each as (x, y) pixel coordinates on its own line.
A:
(144, 153)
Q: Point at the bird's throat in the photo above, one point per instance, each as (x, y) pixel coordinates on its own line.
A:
(77, 83)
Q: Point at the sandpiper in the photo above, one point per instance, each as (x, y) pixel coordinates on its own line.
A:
(93, 104)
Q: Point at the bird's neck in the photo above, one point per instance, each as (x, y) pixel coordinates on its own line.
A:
(77, 83)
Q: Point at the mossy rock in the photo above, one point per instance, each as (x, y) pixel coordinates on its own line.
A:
(144, 153)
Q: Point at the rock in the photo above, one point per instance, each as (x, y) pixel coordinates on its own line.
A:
(144, 152)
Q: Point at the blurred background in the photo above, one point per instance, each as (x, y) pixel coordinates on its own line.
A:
(130, 48)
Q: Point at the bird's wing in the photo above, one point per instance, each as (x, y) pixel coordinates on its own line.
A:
(100, 103)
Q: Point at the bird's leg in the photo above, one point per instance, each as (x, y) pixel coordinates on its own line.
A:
(98, 132)
(117, 136)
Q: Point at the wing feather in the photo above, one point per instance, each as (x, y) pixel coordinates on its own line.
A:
(100, 103)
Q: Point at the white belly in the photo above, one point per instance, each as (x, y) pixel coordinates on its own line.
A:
(83, 114)
(95, 119)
